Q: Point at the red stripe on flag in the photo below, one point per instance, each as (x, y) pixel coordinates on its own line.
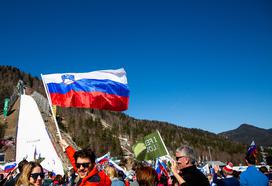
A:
(164, 171)
(8, 170)
(103, 160)
(97, 100)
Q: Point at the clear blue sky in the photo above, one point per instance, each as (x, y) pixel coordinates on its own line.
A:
(199, 64)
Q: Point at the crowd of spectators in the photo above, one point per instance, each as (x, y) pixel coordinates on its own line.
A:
(183, 171)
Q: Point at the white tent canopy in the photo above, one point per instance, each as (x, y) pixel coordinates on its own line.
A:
(217, 163)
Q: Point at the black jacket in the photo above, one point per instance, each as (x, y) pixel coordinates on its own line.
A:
(194, 177)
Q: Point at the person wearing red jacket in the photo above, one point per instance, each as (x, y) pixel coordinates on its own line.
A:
(83, 161)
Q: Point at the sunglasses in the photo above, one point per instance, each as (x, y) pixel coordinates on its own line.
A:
(177, 158)
(36, 175)
(84, 165)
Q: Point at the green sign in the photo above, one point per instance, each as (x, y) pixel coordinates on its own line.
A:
(150, 148)
(6, 105)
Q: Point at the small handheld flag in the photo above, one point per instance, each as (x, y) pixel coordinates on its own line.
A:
(252, 149)
(151, 147)
(161, 168)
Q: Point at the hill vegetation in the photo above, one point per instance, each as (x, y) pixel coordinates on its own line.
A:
(114, 131)
(10, 76)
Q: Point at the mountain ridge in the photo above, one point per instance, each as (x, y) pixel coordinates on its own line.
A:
(87, 127)
(246, 133)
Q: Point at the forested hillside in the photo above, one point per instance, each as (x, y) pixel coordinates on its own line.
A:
(134, 129)
(101, 130)
(9, 77)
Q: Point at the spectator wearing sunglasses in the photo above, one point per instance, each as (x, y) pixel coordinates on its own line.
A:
(184, 168)
(32, 174)
(83, 161)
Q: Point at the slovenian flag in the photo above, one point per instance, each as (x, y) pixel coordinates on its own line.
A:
(118, 168)
(9, 167)
(252, 149)
(161, 168)
(104, 89)
(103, 159)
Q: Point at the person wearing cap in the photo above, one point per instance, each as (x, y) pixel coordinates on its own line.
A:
(228, 179)
(252, 176)
(184, 168)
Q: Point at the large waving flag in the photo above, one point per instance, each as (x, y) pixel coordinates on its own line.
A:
(104, 89)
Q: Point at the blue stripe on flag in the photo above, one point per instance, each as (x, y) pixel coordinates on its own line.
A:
(90, 85)
(8, 167)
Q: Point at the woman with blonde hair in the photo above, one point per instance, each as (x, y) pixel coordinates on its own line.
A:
(32, 174)
(112, 173)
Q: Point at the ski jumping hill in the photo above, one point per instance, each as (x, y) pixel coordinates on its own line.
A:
(30, 123)
(32, 141)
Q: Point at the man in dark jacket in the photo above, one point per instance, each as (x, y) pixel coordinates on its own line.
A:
(184, 168)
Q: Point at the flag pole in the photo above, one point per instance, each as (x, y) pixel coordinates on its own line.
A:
(163, 143)
(50, 105)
